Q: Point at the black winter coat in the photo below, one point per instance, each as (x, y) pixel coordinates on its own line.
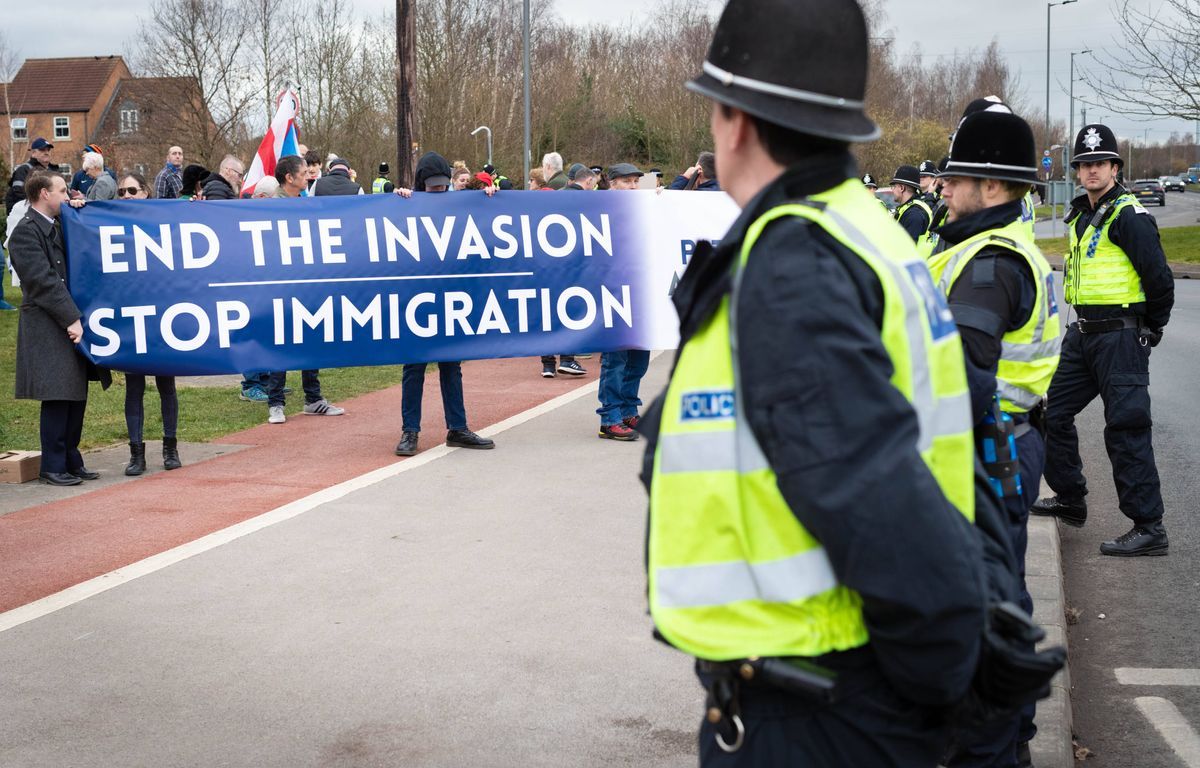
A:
(48, 365)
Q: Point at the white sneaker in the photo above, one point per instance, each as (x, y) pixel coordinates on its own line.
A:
(323, 408)
(275, 415)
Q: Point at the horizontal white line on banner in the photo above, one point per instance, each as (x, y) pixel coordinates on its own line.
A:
(365, 279)
(1139, 676)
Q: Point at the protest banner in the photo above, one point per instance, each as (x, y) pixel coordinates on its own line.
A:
(180, 288)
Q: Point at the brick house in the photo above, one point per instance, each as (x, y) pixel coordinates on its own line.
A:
(73, 102)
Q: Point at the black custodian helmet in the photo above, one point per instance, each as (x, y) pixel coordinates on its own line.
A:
(799, 64)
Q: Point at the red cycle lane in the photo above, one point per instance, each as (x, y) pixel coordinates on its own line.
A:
(52, 546)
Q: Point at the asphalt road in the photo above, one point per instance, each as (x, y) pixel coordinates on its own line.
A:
(1151, 615)
(1182, 210)
(486, 608)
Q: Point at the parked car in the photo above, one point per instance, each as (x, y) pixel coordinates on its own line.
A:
(1173, 184)
(1147, 190)
(888, 198)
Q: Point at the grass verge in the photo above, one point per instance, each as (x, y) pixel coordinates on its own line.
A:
(205, 413)
(1181, 244)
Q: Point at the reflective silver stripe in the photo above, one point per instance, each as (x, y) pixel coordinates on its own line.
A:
(1030, 353)
(780, 581)
(1022, 398)
(949, 416)
(727, 450)
(728, 78)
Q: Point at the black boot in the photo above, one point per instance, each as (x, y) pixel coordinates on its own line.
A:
(1142, 539)
(171, 453)
(137, 459)
(1073, 512)
(407, 445)
(465, 438)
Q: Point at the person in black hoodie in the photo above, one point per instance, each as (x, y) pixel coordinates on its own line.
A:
(433, 175)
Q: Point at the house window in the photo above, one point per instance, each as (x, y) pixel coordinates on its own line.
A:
(129, 120)
(20, 129)
(66, 169)
(62, 128)
(140, 168)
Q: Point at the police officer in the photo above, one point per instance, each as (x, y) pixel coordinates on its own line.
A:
(382, 185)
(808, 536)
(39, 160)
(1001, 291)
(869, 182)
(912, 212)
(927, 174)
(940, 211)
(1117, 279)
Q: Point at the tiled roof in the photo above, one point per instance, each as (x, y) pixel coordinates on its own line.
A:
(61, 85)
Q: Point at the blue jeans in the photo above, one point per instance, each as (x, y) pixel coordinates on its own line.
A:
(412, 390)
(620, 377)
(310, 380)
(262, 379)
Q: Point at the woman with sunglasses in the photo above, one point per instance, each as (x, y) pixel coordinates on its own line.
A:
(133, 186)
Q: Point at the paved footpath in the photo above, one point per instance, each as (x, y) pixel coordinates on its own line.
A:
(303, 598)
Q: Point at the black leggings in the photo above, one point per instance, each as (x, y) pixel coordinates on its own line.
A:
(135, 418)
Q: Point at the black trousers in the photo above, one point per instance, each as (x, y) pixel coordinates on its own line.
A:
(61, 430)
(873, 728)
(994, 745)
(1115, 366)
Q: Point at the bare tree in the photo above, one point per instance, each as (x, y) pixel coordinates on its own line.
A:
(10, 62)
(208, 43)
(1158, 74)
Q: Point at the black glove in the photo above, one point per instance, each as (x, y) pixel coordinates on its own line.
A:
(1011, 673)
(1150, 336)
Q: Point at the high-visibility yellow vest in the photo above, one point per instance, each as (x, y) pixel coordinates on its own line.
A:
(1029, 354)
(1097, 271)
(919, 204)
(732, 572)
(379, 186)
(1028, 217)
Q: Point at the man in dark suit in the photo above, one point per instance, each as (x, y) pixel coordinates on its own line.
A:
(48, 366)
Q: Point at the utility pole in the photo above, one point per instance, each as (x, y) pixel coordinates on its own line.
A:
(1071, 121)
(406, 76)
(525, 56)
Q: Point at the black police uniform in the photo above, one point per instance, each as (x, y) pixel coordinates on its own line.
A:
(16, 185)
(996, 293)
(801, 279)
(1115, 366)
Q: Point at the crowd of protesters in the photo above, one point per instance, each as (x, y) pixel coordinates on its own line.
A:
(33, 195)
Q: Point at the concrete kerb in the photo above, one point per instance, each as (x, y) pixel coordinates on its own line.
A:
(1052, 747)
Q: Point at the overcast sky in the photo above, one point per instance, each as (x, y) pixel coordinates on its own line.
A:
(940, 27)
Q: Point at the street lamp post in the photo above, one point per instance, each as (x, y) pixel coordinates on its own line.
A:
(1071, 122)
(489, 138)
(1048, 7)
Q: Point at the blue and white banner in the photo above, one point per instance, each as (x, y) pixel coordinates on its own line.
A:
(191, 288)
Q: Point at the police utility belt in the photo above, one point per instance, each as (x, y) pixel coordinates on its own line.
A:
(800, 677)
(1128, 322)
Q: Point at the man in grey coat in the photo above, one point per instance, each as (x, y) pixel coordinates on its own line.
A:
(48, 366)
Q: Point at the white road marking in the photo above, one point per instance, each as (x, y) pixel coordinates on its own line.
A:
(103, 583)
(1137, 676)
(1166, 719)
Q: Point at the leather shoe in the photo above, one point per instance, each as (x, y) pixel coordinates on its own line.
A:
(465, 438)
(1073, 513)
(1024, 758)
(59, 478)
(1145, 539)
(407, 445)
(83, 473)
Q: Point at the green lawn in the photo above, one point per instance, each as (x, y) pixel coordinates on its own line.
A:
(1181, 244)
(205, 413)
